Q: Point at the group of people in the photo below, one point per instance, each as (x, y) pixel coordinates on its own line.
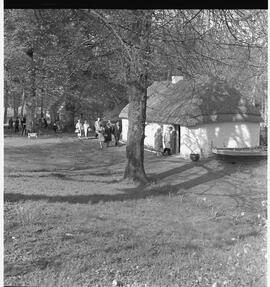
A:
(16, 125)
(85, 128)
(104, 131)
(165, 144)
(20, 124)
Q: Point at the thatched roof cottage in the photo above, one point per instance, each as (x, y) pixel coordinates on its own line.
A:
(205, 115)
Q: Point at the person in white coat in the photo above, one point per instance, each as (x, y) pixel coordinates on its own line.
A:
(97, 126)
(167, 141)
(78, 128)
(85, 128)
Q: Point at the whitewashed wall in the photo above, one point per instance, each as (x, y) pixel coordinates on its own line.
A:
(201, 139)
(150, 130)
(234, 135)
(124, 129)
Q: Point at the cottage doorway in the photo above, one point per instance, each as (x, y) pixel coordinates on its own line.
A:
(177, 138)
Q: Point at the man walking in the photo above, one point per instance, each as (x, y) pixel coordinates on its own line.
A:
(97, 126)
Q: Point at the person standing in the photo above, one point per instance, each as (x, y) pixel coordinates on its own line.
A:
(85, 128)
(158, 142)
(117, 133)
(17, 123)
(108, 133)
(23, 123)
(78, 128)
(167, 141)
(100, 136)
(97, 126)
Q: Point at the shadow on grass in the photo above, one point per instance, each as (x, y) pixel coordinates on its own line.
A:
(72, 178)
(135, 193)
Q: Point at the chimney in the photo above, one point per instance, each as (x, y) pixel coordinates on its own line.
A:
(176, 79)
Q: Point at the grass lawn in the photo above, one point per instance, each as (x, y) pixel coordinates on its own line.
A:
(71, 221)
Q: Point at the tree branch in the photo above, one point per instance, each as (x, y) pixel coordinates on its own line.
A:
(228, 26)
(105, 22)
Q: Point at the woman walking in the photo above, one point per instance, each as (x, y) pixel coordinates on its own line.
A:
(78, 129)
(100, 136)
(97, 126)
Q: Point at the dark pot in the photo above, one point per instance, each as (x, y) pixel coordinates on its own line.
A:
(194, 156)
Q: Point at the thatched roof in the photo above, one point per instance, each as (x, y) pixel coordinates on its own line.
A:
(113, 115)
(190, 104)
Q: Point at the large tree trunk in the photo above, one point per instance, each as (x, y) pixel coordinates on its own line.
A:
(31, 107)
(42, 106)
(69, 115)
(135, 137)
(23, 103)
(53, 113)
(137, 80)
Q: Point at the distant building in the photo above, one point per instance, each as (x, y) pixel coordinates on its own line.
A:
(205, 115)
